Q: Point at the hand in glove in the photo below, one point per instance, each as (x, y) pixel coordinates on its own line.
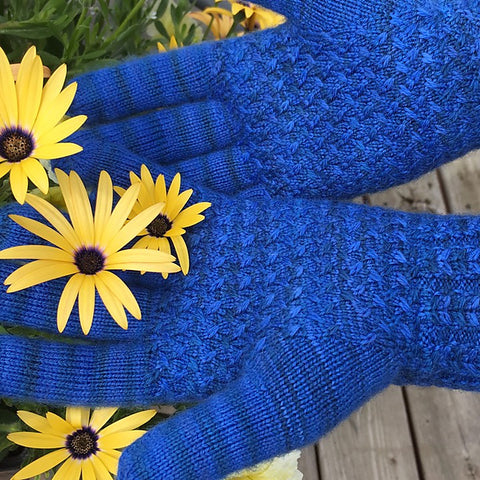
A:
(294, 313)
(344, 98)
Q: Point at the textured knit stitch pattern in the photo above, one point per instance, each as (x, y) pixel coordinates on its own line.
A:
(342, 100)
(260, 267)
(346, 300)
(296, 311)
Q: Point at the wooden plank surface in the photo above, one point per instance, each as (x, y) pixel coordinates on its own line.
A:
(372, 444)
(7, 475)
(308, 464)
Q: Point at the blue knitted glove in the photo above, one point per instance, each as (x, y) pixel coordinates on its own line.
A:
(295, 311)
(347, 97)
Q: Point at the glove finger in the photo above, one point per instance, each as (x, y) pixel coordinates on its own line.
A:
(173, 134)
(50, 372)
(144, 84)
(98, 155)
(295, 389)
(36, 308)
(229, 171)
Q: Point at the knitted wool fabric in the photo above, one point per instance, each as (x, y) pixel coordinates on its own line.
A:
(296, 311)
(345, 98)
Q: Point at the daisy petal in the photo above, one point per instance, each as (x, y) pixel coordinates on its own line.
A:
(119, 439)
(42, 231)
(163, 245)
(71, 469)
(189, 216)
(56, 219)
(37, 272)
(100, 469)
(62, 130)
(161, 189)
(18, 182)
(100, 416)
(110, 459)
(77, 416)
(42, 464)
(144, 242)
(37, 422)
(86, 303)
(103, 206)
(147, 181)
(54, 85)
(133, 228)
(29, 87)
(36, 440)
(80, 209)
(88, 472)
(147, 267)
(36, 173)
(36, 252)
(182, 253)
(111, 302)
(49, 117)
(8, 93)
(67, 300)
(58, 424)
(56, 150)
(173, 209)
(120, 213)
(135, 255)
(128, 423)
(5, 167)
(175, 232)
(117, 285)
(174, 189)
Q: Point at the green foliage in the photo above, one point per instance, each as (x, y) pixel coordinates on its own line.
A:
(9, 422)
(173, 20)
(6, 195)
(85, 34)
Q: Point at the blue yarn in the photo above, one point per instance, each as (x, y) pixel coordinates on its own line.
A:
(294, 313)
(345, 98)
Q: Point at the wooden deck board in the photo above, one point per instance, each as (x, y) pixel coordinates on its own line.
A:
(372, 444)
(447, 431)
(308, 464)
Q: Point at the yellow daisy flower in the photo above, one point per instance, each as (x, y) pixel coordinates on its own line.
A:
(256, 17)
(280, 468)
(219, 19)
(82, 444)
(87, 249)
(172, 45)
(30, 121)
(169, 225)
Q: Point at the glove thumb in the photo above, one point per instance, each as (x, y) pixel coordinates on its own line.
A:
(293, 390)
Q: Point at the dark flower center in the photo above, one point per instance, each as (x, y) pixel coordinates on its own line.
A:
(15, 144)
(89, 260)
(82, 443)
(159, 226)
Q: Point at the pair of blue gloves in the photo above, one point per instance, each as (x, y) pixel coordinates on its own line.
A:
(297, 308)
